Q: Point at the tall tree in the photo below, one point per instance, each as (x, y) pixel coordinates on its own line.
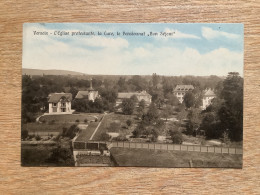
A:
(231, 112)
(189, 99)
(128, 106)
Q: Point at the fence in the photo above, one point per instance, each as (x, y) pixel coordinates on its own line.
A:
(162, 146)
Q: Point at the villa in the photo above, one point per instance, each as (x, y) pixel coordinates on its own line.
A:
(60, 103)
(181, 90)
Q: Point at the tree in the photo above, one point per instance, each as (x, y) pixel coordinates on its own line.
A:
(104, 137)
(24, 134)
(155, 80)
(189, 99)
(128, 106)
(129, 122)
(61, 157)
(176, 136)
(167, 112)
(194, 121)
(231, 112)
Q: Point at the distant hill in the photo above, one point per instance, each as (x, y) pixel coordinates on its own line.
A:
(29, 71)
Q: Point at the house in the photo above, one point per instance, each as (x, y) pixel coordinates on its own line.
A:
(181, 90)
(143, 95)
(89, 94)
(60, 103)
(207, 98)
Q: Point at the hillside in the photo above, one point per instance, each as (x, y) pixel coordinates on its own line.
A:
(29, 71)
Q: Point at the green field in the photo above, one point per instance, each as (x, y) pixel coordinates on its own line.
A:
(159, 158)
(70, 118)
(121, 128)
(45, 127)
(86, 133)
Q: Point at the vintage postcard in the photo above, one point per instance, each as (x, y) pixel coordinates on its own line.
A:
(142, 95)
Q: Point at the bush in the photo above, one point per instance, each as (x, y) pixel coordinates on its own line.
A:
(176, 137)
(96, 119)
(77, 121)
(71, 132)
(43, 121)
(105, 137)
(86, 121)
(24, 134)
(120, 138)
(38, 138)
(129, 122)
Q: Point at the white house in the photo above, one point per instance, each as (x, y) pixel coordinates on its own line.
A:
(207, 98)
(143, 95)
(60, 103)
(181, 90)
(89, 94)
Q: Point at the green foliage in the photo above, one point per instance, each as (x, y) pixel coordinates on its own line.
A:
(129, 122)
(71, 131)
(120, 138)
(24, 134)
(128, 106)
(189, 99)
(61, 157)
(38, 138)
(104, 137)
(176, 136)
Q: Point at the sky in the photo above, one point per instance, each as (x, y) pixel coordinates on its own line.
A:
(188, 49)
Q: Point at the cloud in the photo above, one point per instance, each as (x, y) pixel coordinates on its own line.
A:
(209, 33)
(105, 42)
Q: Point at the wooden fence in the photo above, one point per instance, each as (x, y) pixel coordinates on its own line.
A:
(162, 146)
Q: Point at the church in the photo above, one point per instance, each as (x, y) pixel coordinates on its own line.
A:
(89, 94)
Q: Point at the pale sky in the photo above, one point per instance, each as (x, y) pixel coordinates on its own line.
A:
(191, 49)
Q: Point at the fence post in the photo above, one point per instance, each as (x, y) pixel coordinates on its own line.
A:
(221, 150)
(228, 150)
(235, 150)
(167, 146)
(207, 149)
(85, 145)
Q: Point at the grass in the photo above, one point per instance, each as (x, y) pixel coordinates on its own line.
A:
(70, 118)
(116, 118)
(44, 127)
(86, 133)
(160, 158)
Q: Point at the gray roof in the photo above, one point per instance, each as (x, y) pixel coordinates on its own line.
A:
(130, 94)
(84, 94)
(55, 97)
(183, 88)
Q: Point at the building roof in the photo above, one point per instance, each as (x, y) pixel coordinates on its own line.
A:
(130, 94)
(83, 94)
(209, 92)
(55, 97)
(183, 87)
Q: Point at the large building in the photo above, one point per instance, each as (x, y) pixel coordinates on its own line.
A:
(89, 94)
(60, 103)
(207, 98)
(181, 90)
(143, 95)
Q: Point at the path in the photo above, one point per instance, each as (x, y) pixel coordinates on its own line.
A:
(97, 127)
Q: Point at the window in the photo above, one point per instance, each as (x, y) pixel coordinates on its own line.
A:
(54, 104)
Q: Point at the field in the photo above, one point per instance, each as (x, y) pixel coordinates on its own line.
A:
(70, 118)
(85, 134)
(159, 158)
(119, 124)
(45, 127)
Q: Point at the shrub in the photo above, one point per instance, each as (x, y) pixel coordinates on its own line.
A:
(120, 138)
(77, 121)
(86, 121)
(96, 119)
(176, 137)
(43, 121)
(24, 134)
(129, 122)
(38, 138)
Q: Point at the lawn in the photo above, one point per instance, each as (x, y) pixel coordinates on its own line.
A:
(70, 118)
(160, 158)
(85, 134)
(119, 126)
(45, 127)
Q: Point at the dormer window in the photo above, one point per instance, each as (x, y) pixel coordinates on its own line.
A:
(54, 104)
